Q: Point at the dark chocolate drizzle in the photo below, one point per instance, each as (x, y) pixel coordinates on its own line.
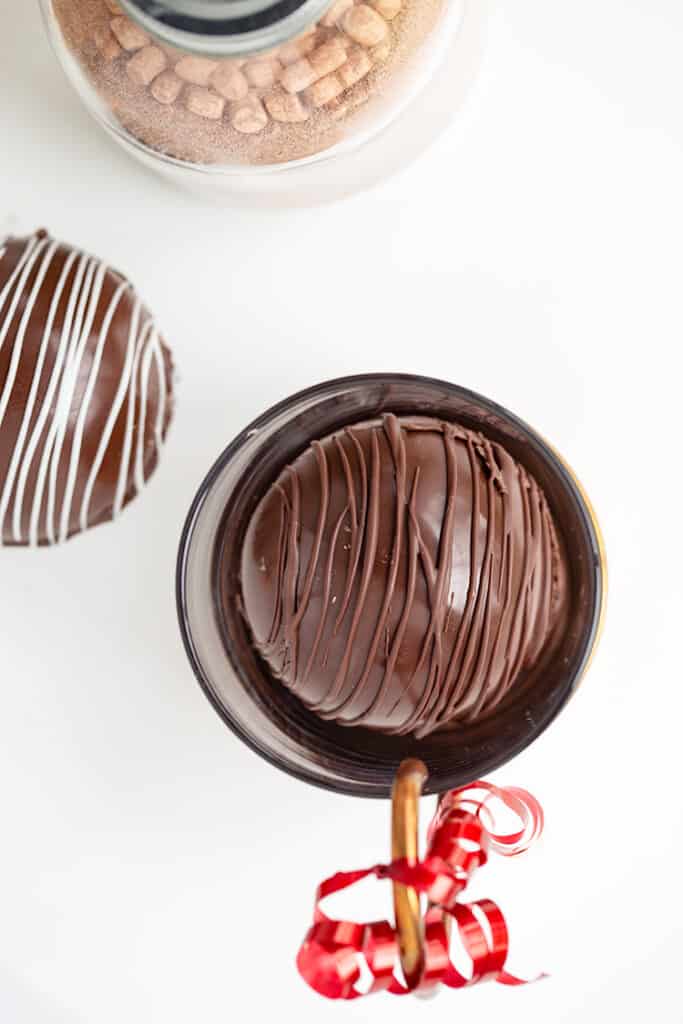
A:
(402, 574)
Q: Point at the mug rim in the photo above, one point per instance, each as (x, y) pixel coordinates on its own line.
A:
(589, 641)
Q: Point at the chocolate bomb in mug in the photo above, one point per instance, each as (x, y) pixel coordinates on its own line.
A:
(385, 567)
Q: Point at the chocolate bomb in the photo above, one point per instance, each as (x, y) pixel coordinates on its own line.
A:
(405, 575)
(85, 391)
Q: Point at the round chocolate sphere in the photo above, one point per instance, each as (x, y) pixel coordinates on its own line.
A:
(403, 574)
(237, 639)
(85, 391)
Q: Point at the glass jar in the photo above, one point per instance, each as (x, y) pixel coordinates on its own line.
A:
(270, 98)
(273, 721)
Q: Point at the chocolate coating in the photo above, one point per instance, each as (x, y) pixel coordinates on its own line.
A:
(85, 391)
(403, 575)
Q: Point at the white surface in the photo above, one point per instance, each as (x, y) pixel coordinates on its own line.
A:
(533, 254)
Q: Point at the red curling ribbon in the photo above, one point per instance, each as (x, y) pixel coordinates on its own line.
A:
(336, 956)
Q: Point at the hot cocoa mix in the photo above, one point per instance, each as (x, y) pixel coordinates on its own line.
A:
(289, 103)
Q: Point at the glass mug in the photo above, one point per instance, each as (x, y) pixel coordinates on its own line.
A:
(263, 713)
(283, 101)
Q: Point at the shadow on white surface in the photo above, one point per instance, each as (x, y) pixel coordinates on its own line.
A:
(21, 1003)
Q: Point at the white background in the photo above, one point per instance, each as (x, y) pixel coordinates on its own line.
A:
(151, 868)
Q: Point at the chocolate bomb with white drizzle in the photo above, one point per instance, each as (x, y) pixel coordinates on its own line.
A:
(85, 391)
(403, 574)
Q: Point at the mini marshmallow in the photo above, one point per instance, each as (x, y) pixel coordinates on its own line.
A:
(262, 74)
(283, 107)
(249, 116)
(129, 35)
(166, 88)
(333, 15)
(387, 8)
(324, 90)
(380, 53)
(195, 70)
(298, 76)
(364, 25)
(106, 44)
(356, 67)
(289, 53)
(230, 82)
(147, 63)
(204, 103)
(328, 57)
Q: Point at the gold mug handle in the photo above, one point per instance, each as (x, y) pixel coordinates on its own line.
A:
(405, 796)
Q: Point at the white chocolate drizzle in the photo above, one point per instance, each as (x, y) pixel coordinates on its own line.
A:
(71, 345)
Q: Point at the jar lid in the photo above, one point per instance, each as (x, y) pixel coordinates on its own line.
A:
(225, 28)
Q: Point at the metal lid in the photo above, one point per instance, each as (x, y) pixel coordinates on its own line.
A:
(225, 28)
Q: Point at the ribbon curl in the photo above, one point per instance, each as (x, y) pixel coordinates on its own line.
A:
(335, 955)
